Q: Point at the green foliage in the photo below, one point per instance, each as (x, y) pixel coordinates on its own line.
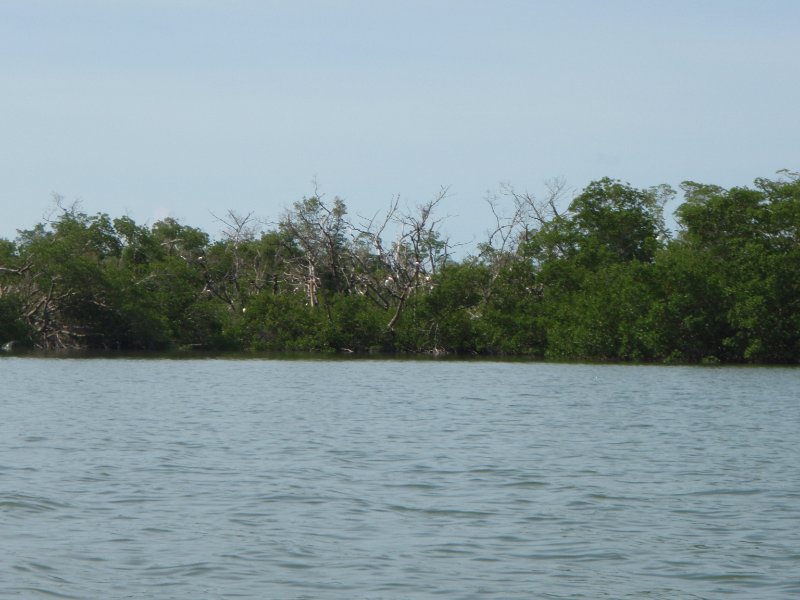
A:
(284, 322)
(449, 312)
(602, 280)
(356, 324)
(618, 223)
(512, 316)
(687, 318)
(587, 322)
(13, 327)
(748, 238)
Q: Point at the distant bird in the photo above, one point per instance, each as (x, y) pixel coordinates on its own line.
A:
(8, 346)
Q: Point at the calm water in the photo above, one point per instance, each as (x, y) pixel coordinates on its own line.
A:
(396, 479)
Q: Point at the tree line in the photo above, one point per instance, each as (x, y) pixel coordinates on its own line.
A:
(601, 279)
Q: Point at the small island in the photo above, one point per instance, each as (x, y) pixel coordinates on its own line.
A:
(599, 279)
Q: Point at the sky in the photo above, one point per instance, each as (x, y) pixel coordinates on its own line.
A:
(191, 108)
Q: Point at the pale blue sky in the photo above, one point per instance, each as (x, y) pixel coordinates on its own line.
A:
(188, 107)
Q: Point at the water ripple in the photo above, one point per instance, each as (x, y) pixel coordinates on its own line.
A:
(313, 479)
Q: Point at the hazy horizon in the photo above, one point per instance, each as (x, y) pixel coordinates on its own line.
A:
(189, 109)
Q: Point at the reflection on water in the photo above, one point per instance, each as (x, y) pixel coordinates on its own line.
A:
(396, 479)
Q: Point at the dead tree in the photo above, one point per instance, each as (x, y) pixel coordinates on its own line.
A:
(390, 276)
(318, 232)
(528, 215)
(224, 274)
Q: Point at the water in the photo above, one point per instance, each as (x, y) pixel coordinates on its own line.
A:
(396, 479)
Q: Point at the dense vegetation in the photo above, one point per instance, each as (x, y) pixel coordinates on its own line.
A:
(602, 279)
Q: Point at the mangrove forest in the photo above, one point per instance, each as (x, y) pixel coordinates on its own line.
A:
(592, 275)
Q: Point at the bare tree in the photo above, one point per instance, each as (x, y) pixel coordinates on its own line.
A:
(411, 261)
(224, 273)
(528, 214)
(319, 233)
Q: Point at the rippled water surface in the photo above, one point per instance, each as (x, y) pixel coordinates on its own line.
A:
(396, 479)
